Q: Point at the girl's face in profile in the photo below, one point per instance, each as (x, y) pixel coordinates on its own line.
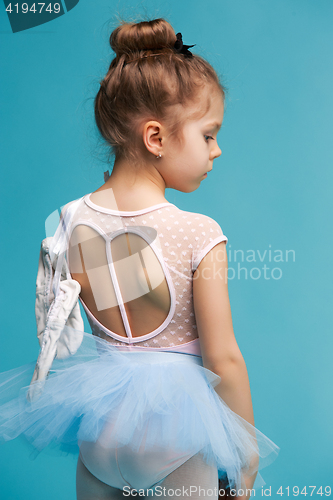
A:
(186, 164)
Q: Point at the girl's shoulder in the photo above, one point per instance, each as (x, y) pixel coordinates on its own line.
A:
(200, 232)
(200, 222)
(71, 206)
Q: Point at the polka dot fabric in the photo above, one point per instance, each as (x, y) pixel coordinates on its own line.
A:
(183, 239)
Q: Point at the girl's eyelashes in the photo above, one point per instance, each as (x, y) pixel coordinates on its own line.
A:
(207, 137)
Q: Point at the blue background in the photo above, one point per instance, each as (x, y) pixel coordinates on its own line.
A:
(270, 190)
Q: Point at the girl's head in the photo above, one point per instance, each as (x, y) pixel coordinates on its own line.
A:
(149, 81)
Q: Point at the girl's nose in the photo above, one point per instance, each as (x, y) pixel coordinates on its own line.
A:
(216, 151)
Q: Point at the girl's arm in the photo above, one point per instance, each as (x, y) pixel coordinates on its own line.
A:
(220, 352)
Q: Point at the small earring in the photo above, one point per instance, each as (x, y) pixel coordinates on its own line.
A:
(159, 155)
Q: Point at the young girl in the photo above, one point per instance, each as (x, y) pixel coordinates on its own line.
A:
(158, 400)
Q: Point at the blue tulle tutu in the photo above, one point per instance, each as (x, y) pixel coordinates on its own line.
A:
(147, 399)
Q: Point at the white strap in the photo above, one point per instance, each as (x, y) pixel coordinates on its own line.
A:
(59, 243)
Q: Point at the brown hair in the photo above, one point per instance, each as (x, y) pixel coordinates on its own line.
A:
(145, 79)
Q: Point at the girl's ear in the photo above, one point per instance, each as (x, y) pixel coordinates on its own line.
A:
(152, 136)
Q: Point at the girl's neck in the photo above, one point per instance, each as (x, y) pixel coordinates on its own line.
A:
(131, 187)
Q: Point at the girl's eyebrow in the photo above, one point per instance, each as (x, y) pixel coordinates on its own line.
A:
(214, 125)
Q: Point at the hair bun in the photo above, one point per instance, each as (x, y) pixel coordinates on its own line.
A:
(146, 35)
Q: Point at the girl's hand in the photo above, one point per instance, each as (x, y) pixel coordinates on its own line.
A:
(248, 482)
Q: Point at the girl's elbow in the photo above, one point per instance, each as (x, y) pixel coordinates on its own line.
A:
(226, 363)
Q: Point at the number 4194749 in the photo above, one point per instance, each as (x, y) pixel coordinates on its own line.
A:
(26, 8)
(305, 491)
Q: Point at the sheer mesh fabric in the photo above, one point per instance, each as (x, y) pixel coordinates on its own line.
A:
(136, 271)
(195, 479)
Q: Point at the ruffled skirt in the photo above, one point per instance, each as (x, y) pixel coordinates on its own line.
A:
(142, 400)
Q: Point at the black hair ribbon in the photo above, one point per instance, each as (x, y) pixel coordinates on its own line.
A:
(181, 48)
